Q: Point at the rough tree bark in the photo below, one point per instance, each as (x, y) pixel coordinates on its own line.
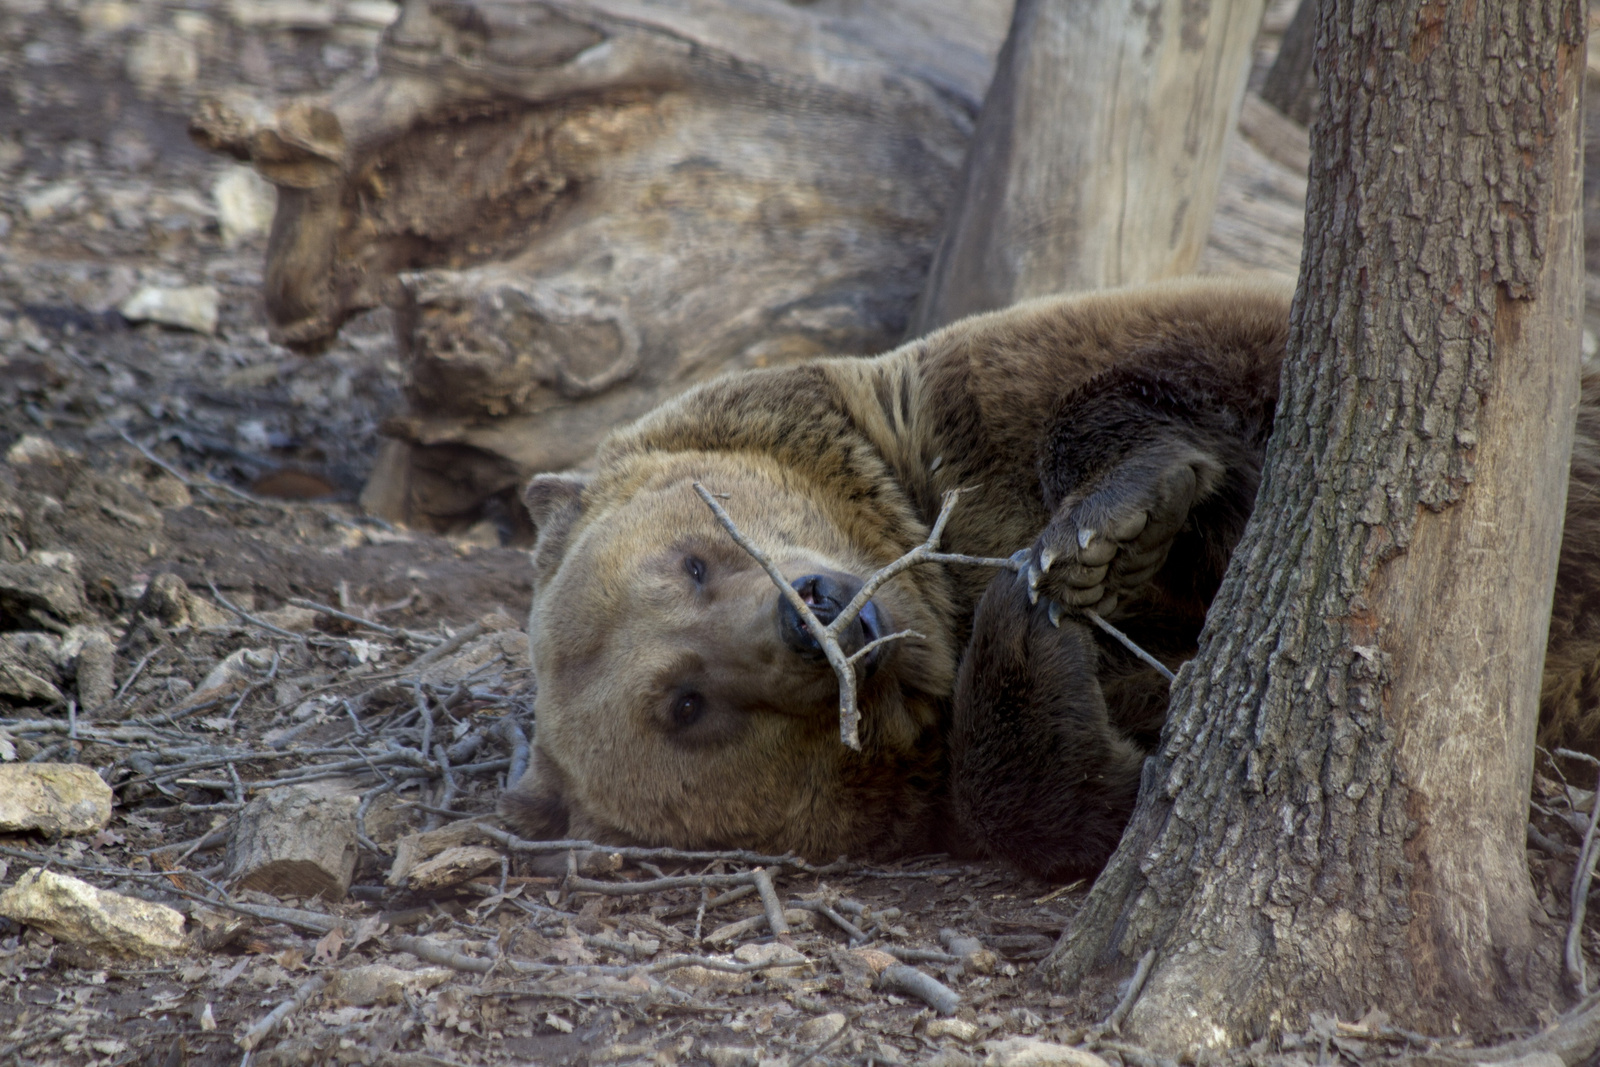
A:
(1335, 820)
(1098, 154)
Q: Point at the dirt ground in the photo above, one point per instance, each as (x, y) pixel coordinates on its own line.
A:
(133, 452)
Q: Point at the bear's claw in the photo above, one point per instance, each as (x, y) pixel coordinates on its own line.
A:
(1101, 547)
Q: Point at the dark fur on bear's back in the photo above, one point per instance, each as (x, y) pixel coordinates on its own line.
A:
(1118, 437)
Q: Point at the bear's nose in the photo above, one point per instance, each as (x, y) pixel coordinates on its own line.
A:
(826, 595)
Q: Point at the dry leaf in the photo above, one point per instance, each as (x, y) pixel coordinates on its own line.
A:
(327, 950)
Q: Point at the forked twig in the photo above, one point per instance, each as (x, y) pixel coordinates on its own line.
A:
(827, 635)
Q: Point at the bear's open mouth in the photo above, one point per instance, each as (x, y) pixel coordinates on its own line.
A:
(827, 594)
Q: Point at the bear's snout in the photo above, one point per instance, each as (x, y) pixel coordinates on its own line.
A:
(826, 594)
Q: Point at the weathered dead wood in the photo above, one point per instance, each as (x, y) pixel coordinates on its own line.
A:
(1097, 158)
(903, 978)
(295, 842)
(562, 200)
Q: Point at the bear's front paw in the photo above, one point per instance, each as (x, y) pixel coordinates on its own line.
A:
(1103, 547)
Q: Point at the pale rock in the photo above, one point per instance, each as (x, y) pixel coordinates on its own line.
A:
(161, 59)
(31, 448)
(1031, 1052)
(77, 913)
(106, 16)
(51, 199)
(288, 14)
(170, 602)
(295, 620)
(974, 956)
(732, 1056)
(24, 685)
(875, 960)
(705, 978)
(379, 983)
(44, 588)
(234, 674)
(785, 961)
(192, 307)
(375, 13)
(245, 203)
(822, 1028)
(509, 643)
(193, 25)
(54, 798)
(960, 1029)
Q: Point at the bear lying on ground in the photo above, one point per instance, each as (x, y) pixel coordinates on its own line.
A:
(1119, 436)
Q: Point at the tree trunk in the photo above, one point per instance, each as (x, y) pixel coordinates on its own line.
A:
(1098, 154)
(1336, 818)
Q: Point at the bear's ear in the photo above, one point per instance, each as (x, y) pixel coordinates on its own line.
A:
(549, 494)
(534, 805)
(554, 501)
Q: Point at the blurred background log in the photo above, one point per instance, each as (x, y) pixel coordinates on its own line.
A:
(578, 208)
(1098, 154)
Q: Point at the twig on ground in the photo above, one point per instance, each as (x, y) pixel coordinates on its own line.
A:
(1581, 877)
(919, 955)
(902, 978)
(425, 949)
(771, 905)
(133, 675)
(826, 1045)
(517, 741)
(251, 619)
(204, 485)
(447, 788)
(659, 855)
(706, 904)
(375, 627)
(851, 930)
(657, 885)
(270, 1022)
(450, 645)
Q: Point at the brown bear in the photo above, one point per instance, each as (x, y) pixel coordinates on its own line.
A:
(1117, 437)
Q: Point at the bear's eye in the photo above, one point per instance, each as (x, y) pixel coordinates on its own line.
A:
(695, 567)
(687, 709)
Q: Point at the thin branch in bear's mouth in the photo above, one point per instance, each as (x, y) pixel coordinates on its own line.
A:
(827, 635)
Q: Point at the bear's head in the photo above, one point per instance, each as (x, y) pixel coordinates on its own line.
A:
(680, 700)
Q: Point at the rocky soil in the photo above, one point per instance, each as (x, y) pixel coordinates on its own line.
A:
(192, 605)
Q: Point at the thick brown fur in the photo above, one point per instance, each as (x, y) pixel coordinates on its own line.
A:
(1118, 436)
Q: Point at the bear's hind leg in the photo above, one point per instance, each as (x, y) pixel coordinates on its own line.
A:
(1038, 776)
